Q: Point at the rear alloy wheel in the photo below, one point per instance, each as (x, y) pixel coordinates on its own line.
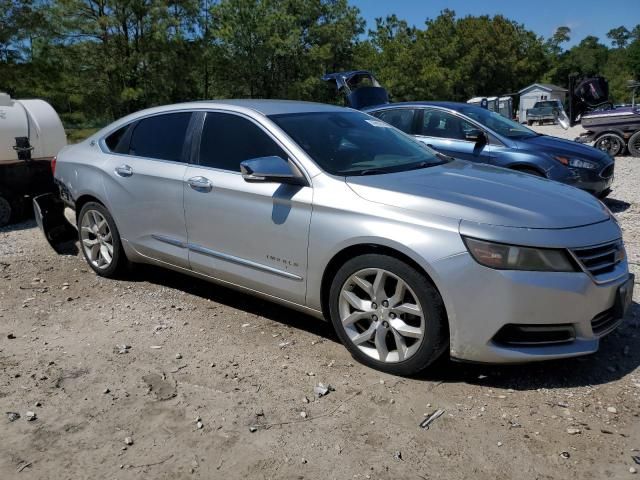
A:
(387, 314)
(5, 211)
(634, 144)
(99, 240)
(610, 143)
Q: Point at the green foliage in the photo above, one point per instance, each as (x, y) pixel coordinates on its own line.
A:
(96, 60)
(590, 57)
(619, 36)
(76, 135)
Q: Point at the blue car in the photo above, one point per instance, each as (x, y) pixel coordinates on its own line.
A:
(473, 133)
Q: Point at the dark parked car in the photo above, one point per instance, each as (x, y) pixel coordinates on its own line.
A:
(479, 135)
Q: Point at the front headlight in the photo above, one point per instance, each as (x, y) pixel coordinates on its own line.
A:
(575, 162)
(512, 257)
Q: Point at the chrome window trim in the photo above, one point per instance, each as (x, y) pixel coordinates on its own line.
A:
(103, 146)
(102, 142)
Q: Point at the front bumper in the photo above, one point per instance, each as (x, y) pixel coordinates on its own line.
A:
(482, 303)
(595, 181)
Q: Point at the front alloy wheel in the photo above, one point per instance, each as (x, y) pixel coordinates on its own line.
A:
(388, 314)
(381, 315)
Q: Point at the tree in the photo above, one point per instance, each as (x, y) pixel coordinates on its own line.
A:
(619, 36)
(561, 35)
(455, 59)
(96, 60)
(393, 57)
(280, 48)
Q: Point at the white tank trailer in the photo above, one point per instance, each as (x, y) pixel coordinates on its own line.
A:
(31, 134)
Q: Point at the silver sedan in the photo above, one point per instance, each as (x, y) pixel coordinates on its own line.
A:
(408, 252)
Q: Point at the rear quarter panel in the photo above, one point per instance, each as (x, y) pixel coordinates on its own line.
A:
(79, 169)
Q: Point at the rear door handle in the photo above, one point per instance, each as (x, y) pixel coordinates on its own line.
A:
(200, 184)
(124, 171)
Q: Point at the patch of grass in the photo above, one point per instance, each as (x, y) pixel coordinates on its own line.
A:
(75, 135)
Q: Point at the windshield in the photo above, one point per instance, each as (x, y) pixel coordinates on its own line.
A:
(498, 123)
(353, 143)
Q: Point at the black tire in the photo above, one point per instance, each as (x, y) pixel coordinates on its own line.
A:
(634, 144)
(610, 143)
(5, 211)
(435, 340)
(530, 171)
(530, 122)
(119, 262)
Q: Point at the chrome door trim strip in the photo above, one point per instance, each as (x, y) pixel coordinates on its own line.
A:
(243, 262)
(288, 303)
(227, 258)
(169, 240)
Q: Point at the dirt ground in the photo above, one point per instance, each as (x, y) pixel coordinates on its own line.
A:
(246, 369)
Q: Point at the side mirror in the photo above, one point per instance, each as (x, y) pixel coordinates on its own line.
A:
(271, 170)
(475, 135)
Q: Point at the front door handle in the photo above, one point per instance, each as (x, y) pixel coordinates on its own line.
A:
(124, 171)
(201, 184)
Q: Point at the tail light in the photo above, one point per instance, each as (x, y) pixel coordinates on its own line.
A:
(53, 165)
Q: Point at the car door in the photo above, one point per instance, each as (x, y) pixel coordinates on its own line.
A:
(144, 183)
(448, 133)
(249, 234)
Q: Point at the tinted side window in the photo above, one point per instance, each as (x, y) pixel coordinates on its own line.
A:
(445, 125)
(161, 136)
(402, 118)
(117, 142)
(230, 139)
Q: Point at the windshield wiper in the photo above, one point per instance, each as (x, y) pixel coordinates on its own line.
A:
(446, 158)
(373, 171)
(417, 166)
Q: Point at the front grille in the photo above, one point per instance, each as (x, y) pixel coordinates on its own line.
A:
(607, 171)
(534, 335)
(605, 322)
(601, 259)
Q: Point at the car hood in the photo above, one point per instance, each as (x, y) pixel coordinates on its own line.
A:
(560, 146)
(482, 194)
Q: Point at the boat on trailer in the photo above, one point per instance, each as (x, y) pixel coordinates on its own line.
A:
(611, 129)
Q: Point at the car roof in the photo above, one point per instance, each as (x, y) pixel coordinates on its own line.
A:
(263, 106)
(450, 105)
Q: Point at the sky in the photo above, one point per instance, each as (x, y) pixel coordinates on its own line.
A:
(584, 17)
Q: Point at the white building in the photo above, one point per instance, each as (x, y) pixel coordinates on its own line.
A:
(536, 93)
